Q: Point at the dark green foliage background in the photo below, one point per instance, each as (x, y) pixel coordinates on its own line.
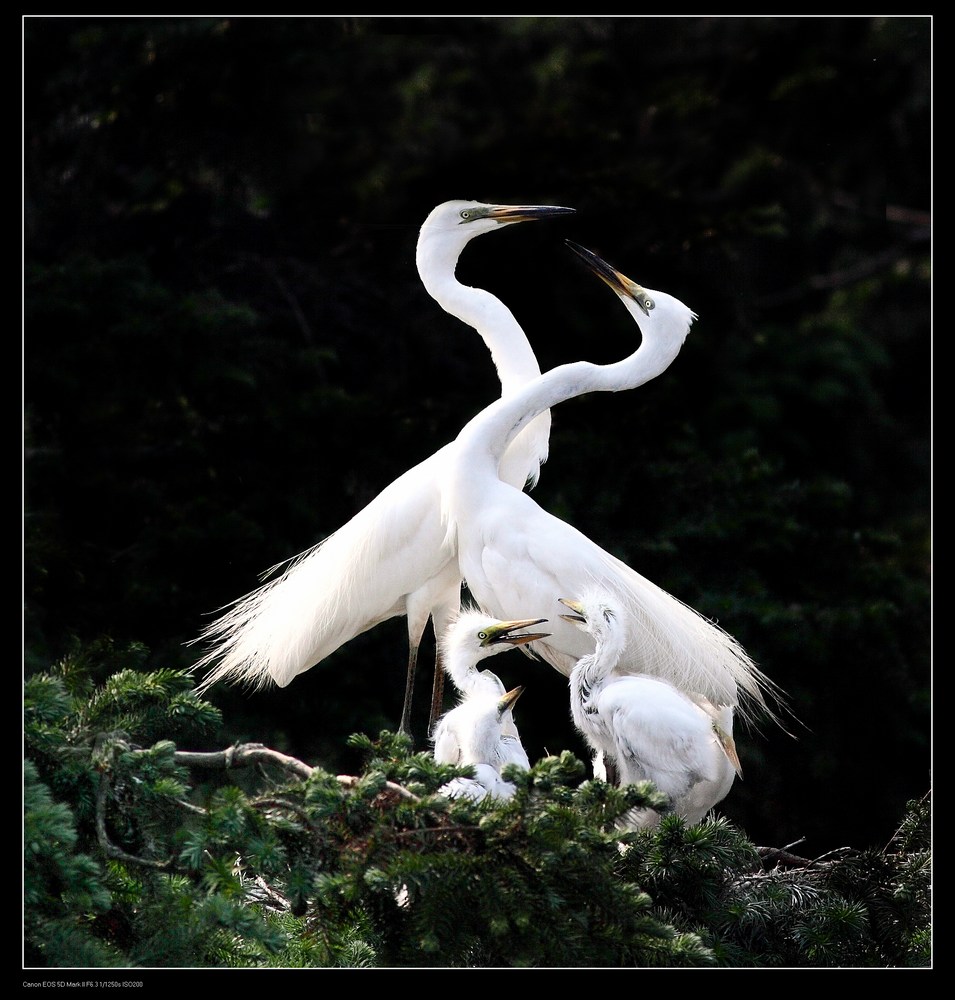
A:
(227, 350)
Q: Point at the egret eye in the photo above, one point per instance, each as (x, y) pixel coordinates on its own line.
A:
(465, 215)
(482, 636)
(648, 304)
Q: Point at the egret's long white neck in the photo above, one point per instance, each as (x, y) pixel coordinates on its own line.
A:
(462, 667)
(486, 436)
(586, 680)
(513, 356)
(590, 673)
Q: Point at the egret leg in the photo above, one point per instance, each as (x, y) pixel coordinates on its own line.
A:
(437, 693)
(613, 774)
(405, 726)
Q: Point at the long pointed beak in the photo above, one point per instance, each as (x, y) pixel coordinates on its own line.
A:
(506, 214)
(503, 632)
(618, 281)
(508, 700)
(729, 748)
(578, 617)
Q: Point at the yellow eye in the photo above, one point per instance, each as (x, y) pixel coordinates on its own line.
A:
(465, 215)
(482, 636)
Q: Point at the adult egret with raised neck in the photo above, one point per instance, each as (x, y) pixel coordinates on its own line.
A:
(393, 557)
(515, 556)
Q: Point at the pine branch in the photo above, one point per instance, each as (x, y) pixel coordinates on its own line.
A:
(242, 755)
(101, 835)
(247, 754)
(239, 755)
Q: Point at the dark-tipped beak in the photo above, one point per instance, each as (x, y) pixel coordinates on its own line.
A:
(618, 281)
(527, 213)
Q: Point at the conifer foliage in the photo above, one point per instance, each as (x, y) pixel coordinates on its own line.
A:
(140, 853)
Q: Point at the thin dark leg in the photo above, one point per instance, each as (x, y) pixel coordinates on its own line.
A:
(437, 693)
(613, 775)
(405, 726)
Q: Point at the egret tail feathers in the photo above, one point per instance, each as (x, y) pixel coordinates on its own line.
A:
(293, 621)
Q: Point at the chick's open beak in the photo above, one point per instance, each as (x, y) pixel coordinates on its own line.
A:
(578, 617)
(504, 632)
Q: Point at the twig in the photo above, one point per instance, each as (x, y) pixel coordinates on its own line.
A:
(349, 781)
(276, 803)
(247, 754)
(276, 897)
(101, 835)
(774, 856)
(242, 755)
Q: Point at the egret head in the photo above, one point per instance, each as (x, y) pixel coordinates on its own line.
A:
(451, 225)
(656, 313)
(482, 636)
(592, 613)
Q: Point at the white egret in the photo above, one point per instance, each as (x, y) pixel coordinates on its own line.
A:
(477, 728)
(514, 556)
(472, 637)
(647, 728)
(392, 558)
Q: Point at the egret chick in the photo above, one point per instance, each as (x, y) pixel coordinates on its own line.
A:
(646, 727)
(475, 730)
(470, 733)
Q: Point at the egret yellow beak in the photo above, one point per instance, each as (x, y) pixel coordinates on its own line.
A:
(578, 617)
(508, 700)
(503, 632)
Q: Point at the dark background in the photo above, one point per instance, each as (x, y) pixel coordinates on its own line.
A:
(228, 352)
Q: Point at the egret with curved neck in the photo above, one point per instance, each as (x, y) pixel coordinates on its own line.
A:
(516, 557)
(392, 558)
